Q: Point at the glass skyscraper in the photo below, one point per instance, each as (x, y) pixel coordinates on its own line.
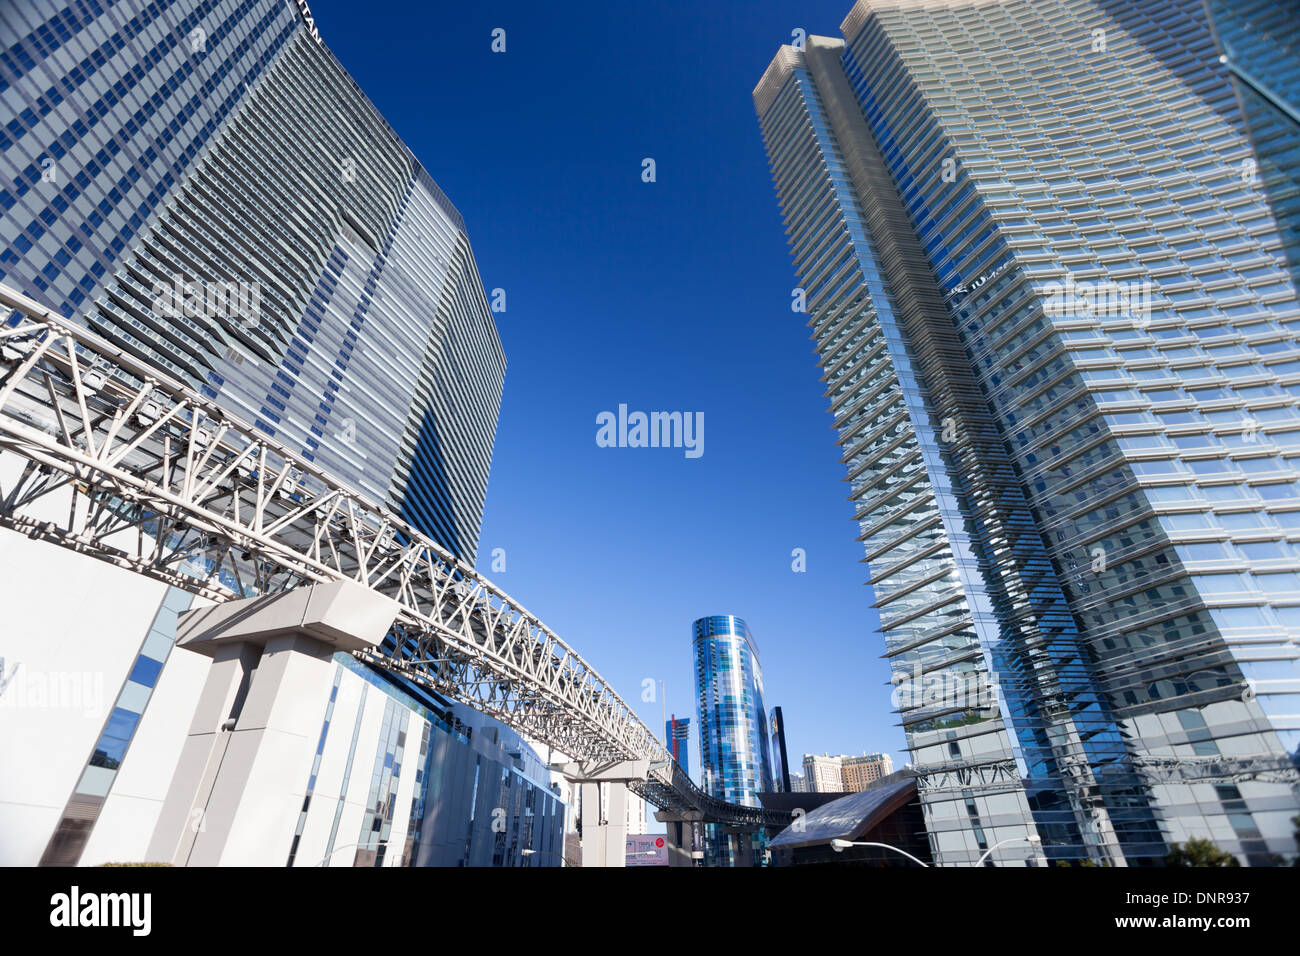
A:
(204, 185)
(735, 763)
(1062, 350)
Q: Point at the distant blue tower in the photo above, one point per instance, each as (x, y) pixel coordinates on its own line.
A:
(735, 762)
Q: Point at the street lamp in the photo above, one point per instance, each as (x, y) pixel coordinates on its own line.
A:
(346, 846)
(1035, 841)
(529, 851)
(839, 846)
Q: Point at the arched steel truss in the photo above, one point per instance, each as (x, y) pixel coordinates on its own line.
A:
(114, 460)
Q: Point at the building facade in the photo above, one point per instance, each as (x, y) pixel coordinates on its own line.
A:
(1060, 342)
(383, 774)
(734, 756)
(845, 774)
(822, 771)
(858, 773)
(201, 183)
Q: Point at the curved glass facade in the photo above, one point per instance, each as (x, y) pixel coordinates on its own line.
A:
(735, 761)
(479, 795)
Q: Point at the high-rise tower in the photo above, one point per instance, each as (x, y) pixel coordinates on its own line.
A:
(1061, 348)
(204, 185)
(735, 763)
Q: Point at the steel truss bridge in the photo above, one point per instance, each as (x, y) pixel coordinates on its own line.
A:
(119, 462)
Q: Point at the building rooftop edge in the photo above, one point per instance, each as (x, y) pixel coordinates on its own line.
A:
(787, 59)
(419, 172)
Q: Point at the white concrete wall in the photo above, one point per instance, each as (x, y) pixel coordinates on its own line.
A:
(71, 627)
(131, 811)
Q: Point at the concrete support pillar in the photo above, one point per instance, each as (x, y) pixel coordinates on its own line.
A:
(220, 702)
(604, 823)
(616, 824)
(683, 846)
(240, 782)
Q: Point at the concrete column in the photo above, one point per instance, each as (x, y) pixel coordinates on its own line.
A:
(616, 824)
(604, 828)
(604, 824)
(239, 786)
(219, 704)
(593, 825)
(681, 836)
(253, 807)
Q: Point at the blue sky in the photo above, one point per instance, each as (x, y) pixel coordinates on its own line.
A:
(664, 296)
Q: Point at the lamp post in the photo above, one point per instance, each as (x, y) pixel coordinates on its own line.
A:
(346, 846)
(839, 846)
(1035, 841)
(529, 851)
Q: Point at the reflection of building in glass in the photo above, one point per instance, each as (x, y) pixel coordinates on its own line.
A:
(479, 794)
(734, 757)
(1061, 351)
(677, 738)
(780, 759)
(1260, 40)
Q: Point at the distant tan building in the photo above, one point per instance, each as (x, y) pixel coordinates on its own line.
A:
(844, 774)
(857, 773)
